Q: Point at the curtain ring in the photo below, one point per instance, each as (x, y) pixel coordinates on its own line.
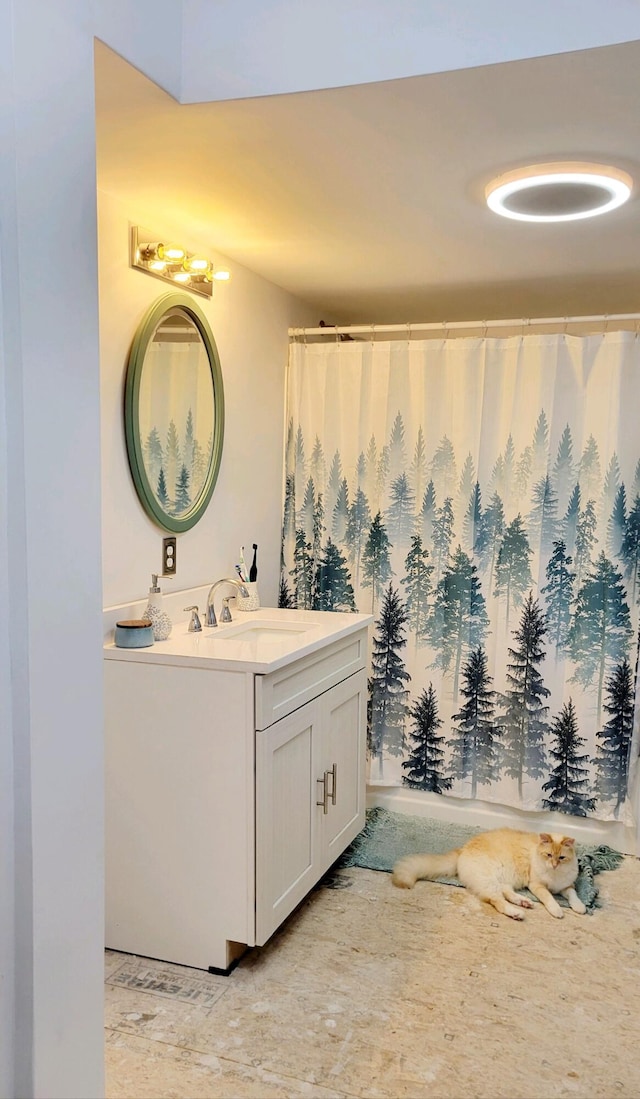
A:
(485, 329)
(445, 330)
(606, 325)
(408, 335)
(373, 334)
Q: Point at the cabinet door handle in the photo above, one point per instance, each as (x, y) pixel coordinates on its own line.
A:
(325, 792)
(334, 782)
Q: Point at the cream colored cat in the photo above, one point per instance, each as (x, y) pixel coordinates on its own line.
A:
(494, 864)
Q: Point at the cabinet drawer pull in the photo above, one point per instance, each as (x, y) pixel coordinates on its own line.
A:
(325, 793)
(334, 782)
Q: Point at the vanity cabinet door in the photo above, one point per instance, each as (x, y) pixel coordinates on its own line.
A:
(287, 760)
(343, 759)
(310, 797)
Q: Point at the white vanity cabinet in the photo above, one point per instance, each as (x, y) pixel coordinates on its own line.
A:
(234, 779)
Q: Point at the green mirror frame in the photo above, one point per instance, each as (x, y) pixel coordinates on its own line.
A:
(187, 313)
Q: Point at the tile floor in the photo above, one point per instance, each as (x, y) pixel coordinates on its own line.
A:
(374, 992)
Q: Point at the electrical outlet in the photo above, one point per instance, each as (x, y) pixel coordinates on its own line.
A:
(169, 556)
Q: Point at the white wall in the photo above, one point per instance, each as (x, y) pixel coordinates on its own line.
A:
(7, 866)
(249, 318)
(51, 830)
(232, 49)
(201, 51)
(51, 575)
(148, 33)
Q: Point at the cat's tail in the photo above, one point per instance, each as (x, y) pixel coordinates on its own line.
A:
(408, 870)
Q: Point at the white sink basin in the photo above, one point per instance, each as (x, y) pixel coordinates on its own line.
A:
(261, 631)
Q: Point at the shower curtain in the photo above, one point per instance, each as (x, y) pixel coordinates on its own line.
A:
(481, 498)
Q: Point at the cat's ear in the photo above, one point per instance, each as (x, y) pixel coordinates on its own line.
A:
(568, 841)
(545, 837)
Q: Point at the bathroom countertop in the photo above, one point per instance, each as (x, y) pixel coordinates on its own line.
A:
(258, 641)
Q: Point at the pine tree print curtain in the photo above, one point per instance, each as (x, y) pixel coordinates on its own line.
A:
(481, 497)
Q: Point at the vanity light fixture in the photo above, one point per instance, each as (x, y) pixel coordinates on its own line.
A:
(173, 263)
(567, 191)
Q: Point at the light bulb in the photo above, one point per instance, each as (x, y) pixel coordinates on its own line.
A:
(172, 253)
(182, 276)
(221, 274)
(198, 264)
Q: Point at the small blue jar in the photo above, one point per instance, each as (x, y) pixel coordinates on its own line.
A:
(134, 633)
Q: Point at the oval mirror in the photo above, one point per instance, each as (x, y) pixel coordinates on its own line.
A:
(174, 412)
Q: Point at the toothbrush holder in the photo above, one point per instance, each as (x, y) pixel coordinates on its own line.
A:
(251, 601)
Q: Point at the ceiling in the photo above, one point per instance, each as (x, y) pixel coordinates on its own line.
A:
(367, 201)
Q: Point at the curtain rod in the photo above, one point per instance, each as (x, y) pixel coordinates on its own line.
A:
(450, 326)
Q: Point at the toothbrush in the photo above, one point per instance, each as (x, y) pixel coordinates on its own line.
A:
(253, 571)
(239, 572)
(243, 567)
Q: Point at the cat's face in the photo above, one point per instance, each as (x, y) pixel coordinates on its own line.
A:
(556, 850)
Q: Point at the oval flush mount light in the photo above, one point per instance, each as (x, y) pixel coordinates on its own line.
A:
(558, 192)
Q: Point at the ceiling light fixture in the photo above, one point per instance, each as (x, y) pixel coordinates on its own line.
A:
(173, 263)
(568, 191)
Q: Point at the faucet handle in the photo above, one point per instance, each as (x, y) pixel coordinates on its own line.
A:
(225, 615)
(195, 624)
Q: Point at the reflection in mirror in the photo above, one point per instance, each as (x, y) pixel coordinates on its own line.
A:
(176, 413)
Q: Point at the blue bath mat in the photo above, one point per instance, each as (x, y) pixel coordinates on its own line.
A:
(388, 836)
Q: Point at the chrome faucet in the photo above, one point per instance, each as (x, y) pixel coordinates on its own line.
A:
(225, 616)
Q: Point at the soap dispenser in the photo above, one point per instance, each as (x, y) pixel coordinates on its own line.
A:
(154, 612)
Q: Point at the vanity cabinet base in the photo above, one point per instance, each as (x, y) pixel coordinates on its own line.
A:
(216, 830)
